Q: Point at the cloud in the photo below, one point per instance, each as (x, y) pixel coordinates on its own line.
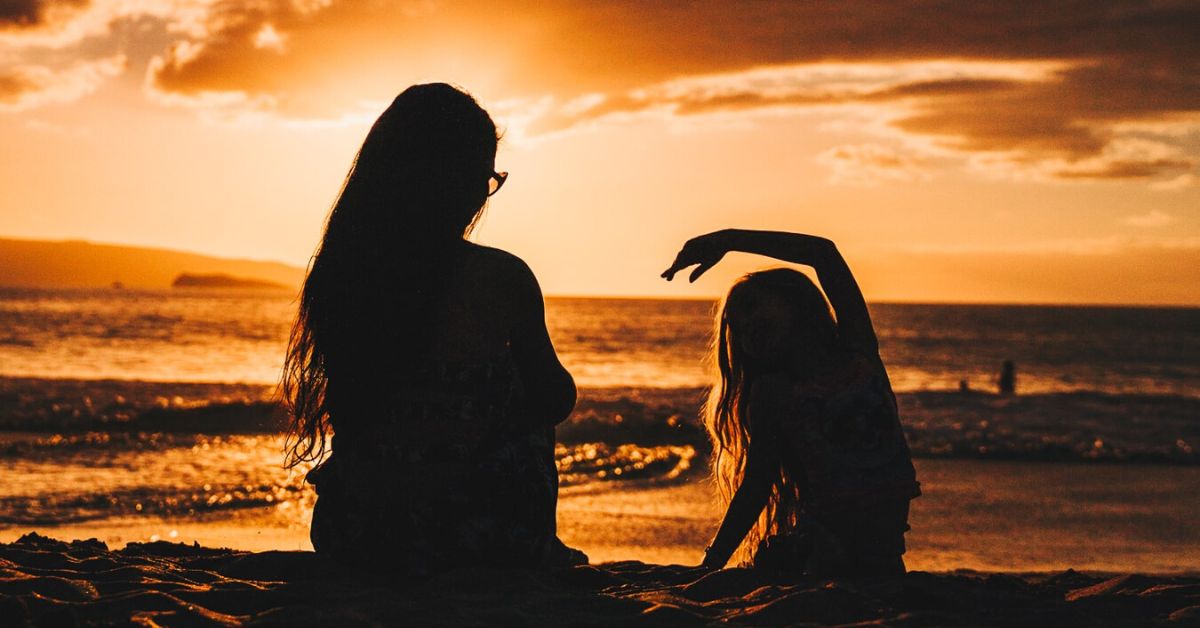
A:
(797, 86)
(62, 24)
(872, 164)
(1111, 67)
(274, 56)
(1052, 119)
(1181, 182)
(620, 45)
(35, 13)
(1125, 169)
(82, 27)
(1031, 118)
(1153, 218)
(14, 86)
(1069, 124)
(269, 38)
(1040, 89)
(26, 87)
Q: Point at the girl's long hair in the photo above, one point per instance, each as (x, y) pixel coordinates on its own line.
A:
(417, 186)
(726, 410)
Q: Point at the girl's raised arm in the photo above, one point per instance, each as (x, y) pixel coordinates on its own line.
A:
(854, 321)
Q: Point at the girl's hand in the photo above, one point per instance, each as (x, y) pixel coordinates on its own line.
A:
(703, 252)
(712, 561)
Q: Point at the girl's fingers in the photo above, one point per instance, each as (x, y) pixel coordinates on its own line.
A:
(679, 264)
(669, 274)
(692, 254)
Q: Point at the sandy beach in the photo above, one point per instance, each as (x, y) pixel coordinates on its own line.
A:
(50, 582)
(1017, 492)
(1019, 563)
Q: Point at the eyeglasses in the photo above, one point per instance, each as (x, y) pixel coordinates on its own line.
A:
(496, 181)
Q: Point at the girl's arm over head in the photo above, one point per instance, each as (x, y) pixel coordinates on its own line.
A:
(854, 320)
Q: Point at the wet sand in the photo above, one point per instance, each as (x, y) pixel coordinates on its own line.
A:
(980, 515)
(992, 516)
(48, 582)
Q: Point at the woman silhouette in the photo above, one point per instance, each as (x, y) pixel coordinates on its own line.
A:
(419, 373)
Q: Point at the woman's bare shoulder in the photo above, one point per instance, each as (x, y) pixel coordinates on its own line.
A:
(500, 268)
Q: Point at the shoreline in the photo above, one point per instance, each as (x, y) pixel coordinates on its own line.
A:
(989, 516)
(1062, 426)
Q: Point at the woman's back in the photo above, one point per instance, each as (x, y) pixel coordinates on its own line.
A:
(480, 309)
(440, 454)
(461, 363)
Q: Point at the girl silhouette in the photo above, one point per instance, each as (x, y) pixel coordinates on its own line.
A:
(809, 455)
(419, 373)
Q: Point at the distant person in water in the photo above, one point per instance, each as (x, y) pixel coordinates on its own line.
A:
(809, 455)
(425, 359)
(1006, 384)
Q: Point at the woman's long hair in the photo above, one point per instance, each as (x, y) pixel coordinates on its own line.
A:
(726, 410)
(417, 186)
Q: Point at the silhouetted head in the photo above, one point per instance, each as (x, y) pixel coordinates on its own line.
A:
(391, 245)
(425, 167)
(774, 319)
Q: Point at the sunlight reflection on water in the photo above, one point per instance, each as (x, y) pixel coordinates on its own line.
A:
(239, 337)
(202, 476)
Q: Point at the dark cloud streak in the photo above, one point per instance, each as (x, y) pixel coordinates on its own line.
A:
(31, 13)
(1128, 169)
(1119, 61)
(13, 86)
(709, 101)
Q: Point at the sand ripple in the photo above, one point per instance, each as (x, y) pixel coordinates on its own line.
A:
(48, 582)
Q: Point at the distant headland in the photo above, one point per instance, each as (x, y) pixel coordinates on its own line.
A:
(76, 264)
(218, 280)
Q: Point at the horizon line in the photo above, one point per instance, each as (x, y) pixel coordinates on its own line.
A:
(893, 301)
(696, 298)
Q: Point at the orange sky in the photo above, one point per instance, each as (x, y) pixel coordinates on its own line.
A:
(968, 153)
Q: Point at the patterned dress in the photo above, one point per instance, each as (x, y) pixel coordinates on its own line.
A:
(849, 444)
(858, 478)
(443, 475)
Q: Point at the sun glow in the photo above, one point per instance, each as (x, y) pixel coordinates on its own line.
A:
(209, 127)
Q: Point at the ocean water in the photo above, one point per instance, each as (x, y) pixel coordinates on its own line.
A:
(130, 415)
(207, 336)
